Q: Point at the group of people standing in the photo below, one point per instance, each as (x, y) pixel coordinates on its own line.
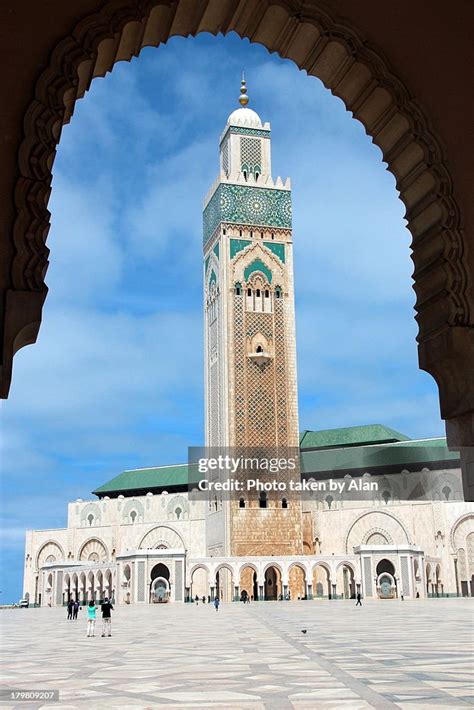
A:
(72, 609)
(106, 609)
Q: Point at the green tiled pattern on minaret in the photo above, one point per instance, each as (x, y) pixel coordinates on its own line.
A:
(258, 265)
(278, 249)
(237, 245)
(254, 206)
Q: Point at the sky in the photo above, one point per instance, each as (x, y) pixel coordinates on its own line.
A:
(115, 380)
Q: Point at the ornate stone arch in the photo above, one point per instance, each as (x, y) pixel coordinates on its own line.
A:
(90, 515)
(460, 530)
(162, 535)
(49, 549)
(93, 550)
(373, 532)
(386, 521)
(351, 68)
(133, 506)
(346, 563)
(175, 503)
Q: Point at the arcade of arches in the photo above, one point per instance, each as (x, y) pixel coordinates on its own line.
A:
(365, 53)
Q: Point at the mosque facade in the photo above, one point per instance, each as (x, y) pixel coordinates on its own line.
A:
(374, 512)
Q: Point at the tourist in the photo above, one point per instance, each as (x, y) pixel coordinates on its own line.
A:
(359, 598)
(216, 603)
(91, 616)
(75, 609)
(106, 618)
(401, 595)
(70, 607)
(196, 599)
(203, 599)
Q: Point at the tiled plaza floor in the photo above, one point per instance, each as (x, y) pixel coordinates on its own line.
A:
(410, 655)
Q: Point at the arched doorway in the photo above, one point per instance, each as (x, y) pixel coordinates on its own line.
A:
(126, 584)
(386, 581)
(199, 583)
(345, 582)
(321, 582)
(248, 583)
(297, 582)
(224, 584)
(272, 584)
(160, 587)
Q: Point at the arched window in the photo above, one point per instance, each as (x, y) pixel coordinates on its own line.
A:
(386, 496)
(240, 232)
(238, 289)
(245, 175)
(241, 503)
(267, 293)
(259, 349)
(249, 292)
(273, 236)
(256, 176)
(284, 503)
(258, 293)
(133, 516)
(251, 234)
(224, 231)
(278, 292)
(263, 500)
(446, 492)
(178, 512)
(90, 519)
(329, 501)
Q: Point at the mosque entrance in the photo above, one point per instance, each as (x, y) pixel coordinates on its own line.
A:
(386, 582)
(272, 587)
(160, 587)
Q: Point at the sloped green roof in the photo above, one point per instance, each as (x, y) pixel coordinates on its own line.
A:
(149, 478)
(329, 451)
(403, 454)
(350, 436)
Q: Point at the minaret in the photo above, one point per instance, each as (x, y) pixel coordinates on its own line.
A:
(250, 362)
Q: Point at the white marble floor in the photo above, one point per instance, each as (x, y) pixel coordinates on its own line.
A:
(409, 655)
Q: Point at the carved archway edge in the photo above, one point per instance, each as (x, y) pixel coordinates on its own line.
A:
(305, 33)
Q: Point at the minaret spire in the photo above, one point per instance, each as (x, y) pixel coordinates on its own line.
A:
(243, 98)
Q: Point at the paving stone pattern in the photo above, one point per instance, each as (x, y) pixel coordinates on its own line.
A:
(393, 654)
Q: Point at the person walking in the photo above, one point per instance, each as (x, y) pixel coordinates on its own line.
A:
(91, 616)
(196, 599)
(70, 607)
(106, 608)
(75, 609)
(216, 603)
(359, 599)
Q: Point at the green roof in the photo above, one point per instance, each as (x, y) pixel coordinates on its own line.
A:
(148, 478)
(403, 454)
(350, 436)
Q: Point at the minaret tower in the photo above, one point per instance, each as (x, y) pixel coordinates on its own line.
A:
(250, 362)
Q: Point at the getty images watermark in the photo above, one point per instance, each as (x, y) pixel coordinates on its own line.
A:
(233, 472)
(216, 474)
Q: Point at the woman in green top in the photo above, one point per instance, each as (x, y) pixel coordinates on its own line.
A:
(91, 610)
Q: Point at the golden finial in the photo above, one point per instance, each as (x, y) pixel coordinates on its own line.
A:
(243, 98)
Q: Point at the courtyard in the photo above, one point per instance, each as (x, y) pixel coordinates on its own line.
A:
(392, 654)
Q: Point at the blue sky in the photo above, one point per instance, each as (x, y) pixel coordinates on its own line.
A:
(115, 380)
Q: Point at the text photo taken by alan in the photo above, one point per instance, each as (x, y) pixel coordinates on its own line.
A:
(223, 436)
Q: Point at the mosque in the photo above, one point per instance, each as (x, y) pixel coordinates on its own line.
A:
(152, 536)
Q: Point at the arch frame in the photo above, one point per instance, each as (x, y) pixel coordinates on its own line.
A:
(354, 70)
(375, 512)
